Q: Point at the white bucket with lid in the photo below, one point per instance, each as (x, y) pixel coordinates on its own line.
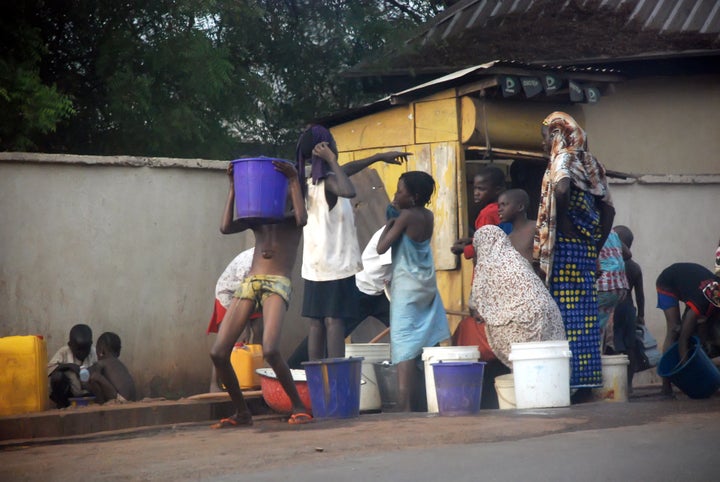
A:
(436, 354)
(505, 388)
(615, 380)
(541, 372)
(372, 353)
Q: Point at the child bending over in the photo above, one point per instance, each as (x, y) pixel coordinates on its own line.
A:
(109, 377)
(266, 287)
(699, 290)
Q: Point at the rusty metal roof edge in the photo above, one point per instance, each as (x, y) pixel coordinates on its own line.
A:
(453, 79)
(630, 58)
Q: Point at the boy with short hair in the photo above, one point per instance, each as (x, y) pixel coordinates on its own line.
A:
(626, 317)
(109, 377)
(266, 287)
(512, 208)
(64, 367)
(488, 184)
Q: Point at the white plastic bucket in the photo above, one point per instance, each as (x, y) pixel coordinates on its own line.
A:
(541, 372)
(615, 380)
(373, 353)
(505, 388)
(436, 354)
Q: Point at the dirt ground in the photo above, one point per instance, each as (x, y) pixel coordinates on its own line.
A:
(194, 451)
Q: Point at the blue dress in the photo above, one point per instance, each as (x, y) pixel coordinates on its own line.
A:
(417, 315)
(572, 284)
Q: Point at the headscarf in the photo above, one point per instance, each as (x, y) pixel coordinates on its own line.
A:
(569, 158)
(509, 296)
(312, 136)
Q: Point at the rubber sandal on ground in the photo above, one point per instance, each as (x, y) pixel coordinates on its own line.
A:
(230, 423)
(300, 419)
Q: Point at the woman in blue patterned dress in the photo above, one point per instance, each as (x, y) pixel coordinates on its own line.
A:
(574, 219)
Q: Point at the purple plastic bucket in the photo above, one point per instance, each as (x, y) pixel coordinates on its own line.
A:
(260, 190)
(334, 385)
(459, 387)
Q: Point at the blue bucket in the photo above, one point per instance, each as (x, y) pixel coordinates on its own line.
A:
(459, 387)
(260, 190)
(334, 385)
(697, 377)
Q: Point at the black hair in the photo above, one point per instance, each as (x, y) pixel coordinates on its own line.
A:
(420, 184)
(625, 235)
(109, 341)
(517, 195)
(493, 174)
(308, 141)
(80, 335)
(306, 144)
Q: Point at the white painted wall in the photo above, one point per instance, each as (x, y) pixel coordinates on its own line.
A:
(127, 245)
(658, 125)
(671, 223)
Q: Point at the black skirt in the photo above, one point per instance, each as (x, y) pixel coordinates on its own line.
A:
(335, 299)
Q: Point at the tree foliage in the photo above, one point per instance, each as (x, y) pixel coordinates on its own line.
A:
(185, 78)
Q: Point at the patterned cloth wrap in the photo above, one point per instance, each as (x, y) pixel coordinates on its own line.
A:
(509, 296)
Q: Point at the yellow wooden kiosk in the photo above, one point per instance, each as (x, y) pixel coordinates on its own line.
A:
(456, 124)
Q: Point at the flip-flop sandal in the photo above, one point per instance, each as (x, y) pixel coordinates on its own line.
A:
(300, 418)
(229, 423)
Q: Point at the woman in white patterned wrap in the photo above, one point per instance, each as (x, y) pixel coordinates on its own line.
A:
(509, 296)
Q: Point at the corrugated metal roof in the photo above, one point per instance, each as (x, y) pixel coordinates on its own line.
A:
(662, 16)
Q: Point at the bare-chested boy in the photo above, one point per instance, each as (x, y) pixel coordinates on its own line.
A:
(267, 287)
(512, 208)
(109, 377)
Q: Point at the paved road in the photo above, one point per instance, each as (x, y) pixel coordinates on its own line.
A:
(657, 452)
(647, 439)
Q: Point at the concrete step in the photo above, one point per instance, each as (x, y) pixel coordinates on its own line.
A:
(79, 421)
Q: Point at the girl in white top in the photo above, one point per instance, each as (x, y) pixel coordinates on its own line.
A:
(331, 253)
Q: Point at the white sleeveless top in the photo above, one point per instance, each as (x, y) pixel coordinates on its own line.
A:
(330, 246)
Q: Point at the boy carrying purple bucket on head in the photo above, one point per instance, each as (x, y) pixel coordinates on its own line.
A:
(266, 287)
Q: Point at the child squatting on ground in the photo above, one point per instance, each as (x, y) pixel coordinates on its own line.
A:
(266, 287)
(109, 377)
(64, 368)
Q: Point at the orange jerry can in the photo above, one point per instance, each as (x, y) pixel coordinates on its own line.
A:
(23, 376)
(245, 359)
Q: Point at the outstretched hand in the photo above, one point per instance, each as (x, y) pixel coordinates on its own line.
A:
(393, 157)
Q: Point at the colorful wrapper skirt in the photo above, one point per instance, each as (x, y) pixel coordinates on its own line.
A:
(572, 284)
